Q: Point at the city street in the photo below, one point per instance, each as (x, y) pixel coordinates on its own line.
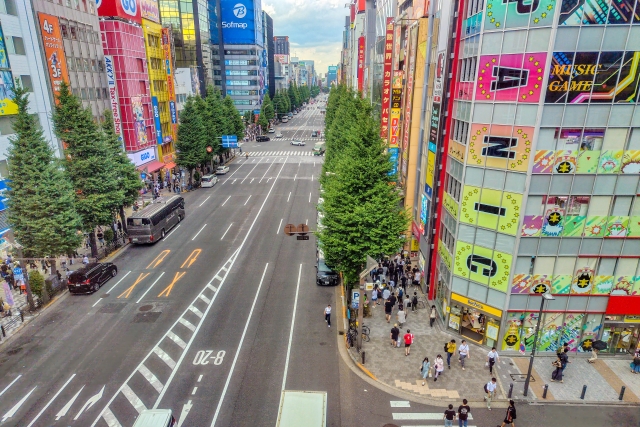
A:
(216, 319)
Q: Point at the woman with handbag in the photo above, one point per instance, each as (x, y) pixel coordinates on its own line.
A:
(425, 371)
(557, 374)
(439, 365)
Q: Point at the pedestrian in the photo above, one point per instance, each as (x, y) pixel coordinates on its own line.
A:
(510, 416)
(414, 302)
(374, 297)
(557, 373)
(416, 278)
(432, 315)
(594, 355)
(402, 318)
(395, 332)
(439, 366)
(18, 277)
(451, 349)
(425, 371)
(464, 352)
(388, 307)
(327, 315)
(407, 302)
(408, 340)
(400, 292)
(379, 293)
(490, 390)
(386, 294)
(635, 365)
(393, 299)
(403, 281)
(449, 416)
(85, 259)
(463, 413)
(492, 358)
(564, 357)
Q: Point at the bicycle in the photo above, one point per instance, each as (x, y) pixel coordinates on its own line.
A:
(354, 326)
(365, 333)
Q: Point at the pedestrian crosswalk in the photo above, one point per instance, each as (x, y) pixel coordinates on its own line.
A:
(279, 153)
(402, 413)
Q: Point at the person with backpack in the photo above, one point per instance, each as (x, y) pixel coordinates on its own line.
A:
(408, 340)
(490, 391)
(414, 302)
(450, 348)
(510, 416)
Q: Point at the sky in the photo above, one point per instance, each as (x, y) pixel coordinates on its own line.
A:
(314, 28)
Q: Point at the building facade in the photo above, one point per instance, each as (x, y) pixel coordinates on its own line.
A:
(281, 45)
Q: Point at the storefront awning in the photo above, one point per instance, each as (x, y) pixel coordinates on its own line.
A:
(151, 166)
(170, 165)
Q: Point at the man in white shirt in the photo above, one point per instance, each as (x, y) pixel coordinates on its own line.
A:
(490, 389)
(492, 358)
(327, 315)
(464, 352)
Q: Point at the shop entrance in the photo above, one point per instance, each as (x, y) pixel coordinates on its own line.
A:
(475, 321)
(620, 336)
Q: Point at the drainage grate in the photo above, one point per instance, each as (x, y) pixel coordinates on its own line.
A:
(148, 317)
(520, 378)
(112, 307)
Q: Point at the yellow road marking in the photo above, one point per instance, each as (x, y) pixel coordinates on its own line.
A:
(191, 258)
(168, 289)
(161, 256)
(138, 280)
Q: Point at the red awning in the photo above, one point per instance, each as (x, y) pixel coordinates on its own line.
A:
(151, 166)
(170, 165)
(623, 304)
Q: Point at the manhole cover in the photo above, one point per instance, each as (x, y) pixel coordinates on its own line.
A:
(105, 296)
(148, 317)
(112, 308)
(146, 307)
(14, 351)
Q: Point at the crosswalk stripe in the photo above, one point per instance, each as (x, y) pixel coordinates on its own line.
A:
(176, 339)
(153, 380)
(187, 324)
(196, 311)
(205, 299)
(165, 357)
(419, 415)
(133, 398)
(432, 424)
(110, 419)
(400, 404)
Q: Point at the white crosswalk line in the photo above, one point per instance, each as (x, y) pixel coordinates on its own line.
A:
(196, 311)
(153, 380)
(205, 299)
(133, 398)
(187, 324)
(165, 357)
(176, 339)
(110, 419)
(400, 404)
(420, 416)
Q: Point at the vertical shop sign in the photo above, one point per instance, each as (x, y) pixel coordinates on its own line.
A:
(360, 63)
(434, 124)
(53, 51)
(166, 48)
(138, 121)
(386, 79)
(113, 96)
(7, 106)
(156, 118)
(409, 98)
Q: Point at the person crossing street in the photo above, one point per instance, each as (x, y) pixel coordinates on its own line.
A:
(327, 315)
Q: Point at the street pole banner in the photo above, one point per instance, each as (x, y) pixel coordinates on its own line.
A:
(53, 51)
(113, 96)
(386, 80)
(361, 48)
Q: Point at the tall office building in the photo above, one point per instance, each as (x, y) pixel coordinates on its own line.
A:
(281, 45)
(539, 176)
(281, 62)
(269, 48)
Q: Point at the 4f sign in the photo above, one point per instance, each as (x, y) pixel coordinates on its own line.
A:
(239, 10)
(129, 7)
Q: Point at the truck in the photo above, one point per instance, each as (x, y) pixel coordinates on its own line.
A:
(318, 149)
(302, 408)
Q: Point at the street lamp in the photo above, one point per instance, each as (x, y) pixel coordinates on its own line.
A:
(545, 297)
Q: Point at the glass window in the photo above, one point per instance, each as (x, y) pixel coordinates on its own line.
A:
(552, 115)
(459, 285)
(590, 38)
(25, 81)
(615, 139)
(621, 205)
(515, 182)
(477, 292)
(626, 267)
(473, 176)
(621, 115)
(494, 179)
(631, 247)
(514, 42)
(528, 246)
(504, 114)
(482, 112)
(578, 205)
(599, 206)
(526, 114)
(574, 115)
(518, 302)
(598, 115)
(605, 184)
(583, 184)
(539, 184)
(626, 184)
(496, 298)
(538, 40)
(615, 37)
(578, 303)
(611, 247)
(561, 184)
(544, 265)
(569, 246)
(633, 42)
(566, 39)
(8, 7)
(73, 31)
(548, 246)
(534, 206)
(505, 243)
(491, 43)
(485, 238)
(565, 265)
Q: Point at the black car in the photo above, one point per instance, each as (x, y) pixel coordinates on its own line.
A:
(325, 276)
(262, 138)
(89, 278)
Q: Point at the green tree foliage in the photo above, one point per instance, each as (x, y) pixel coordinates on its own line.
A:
(236, 127)
(214, 119)
(315, 91)
(263, 122)
(248, 117)
(267, 108)
(36, 282)
(294, 96)
(126, 174)
(42, 210)
(191, 136)
(88, 164)
(361, 209)
(286, 101)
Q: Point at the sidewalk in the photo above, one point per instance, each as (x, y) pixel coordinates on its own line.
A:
(389, 365)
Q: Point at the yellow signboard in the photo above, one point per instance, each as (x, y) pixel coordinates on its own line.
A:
(492, 209)
(444, 254)
(431, 168)
(415, 245)
(450, 204)
(483, 265)
(475, 304)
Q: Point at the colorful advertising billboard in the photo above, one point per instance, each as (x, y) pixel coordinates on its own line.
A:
(483, 265)
(168, 65)
(514, 77)
(500, 146)
(361, 48)
(126, 9)
(578, 77)
(575, 12)
(283, 59)
(53, 51)
(156, 119)
(7, 106)
(492, 209)
(411, 59)
(501, 14)
(138, 121)
(242, 22)
(113, 96)
(149, 10)
(386, 80)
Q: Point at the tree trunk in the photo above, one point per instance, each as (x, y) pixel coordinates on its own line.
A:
(123, 219)
(93, 244)
(32, 305)
(52, 264)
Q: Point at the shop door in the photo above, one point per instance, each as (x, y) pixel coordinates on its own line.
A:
(620, 339)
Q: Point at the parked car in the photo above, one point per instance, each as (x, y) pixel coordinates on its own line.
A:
(262, 138)
(209, 181)
(91, 277)
(315, 133)
(222, 170)
(297, 142)
(272, 130)
(325, 276)
(278, 135)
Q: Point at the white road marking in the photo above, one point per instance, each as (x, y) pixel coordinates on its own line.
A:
(234, 181)
(213, 288)
(194, 237)
(419, 416)
(307, 221)
(245, 203)
(165, 358)
(251, 171)
(205, 299)
(312, 176)
(187, 324)
(228, 228)
(295, 177)
(112, 288)
(309, 197)
(171, 232)
(133, 398)
(200, 378)
(235, 359)
(194, 391)
(277, 231)
(7, 387)
(152, 285)
(90, 402)
(153, 380)
(110, 419)
(293, 322)
(289, 197)
(265, 172)
(205, 201)
(195, 311)
(50, 401)
(225, 202)
(251, 180)
(176, 339)
(65, 408)
(185, 411)
(17, 406)
(400, 404)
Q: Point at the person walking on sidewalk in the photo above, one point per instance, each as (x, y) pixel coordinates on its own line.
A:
(490, 390)
(449, 416)
(374, 296)
(492, 358)
(432, 315)
(327, 315)
(463, 413)
(464, 353)
(408, 340)
(564, 357)
(510, 416)
(386, 294)
(439, 367)
(395, 333)
(388, 307)
(557, 373)
(425, 370)
(451, 350)
(402, 316)
(406, 302)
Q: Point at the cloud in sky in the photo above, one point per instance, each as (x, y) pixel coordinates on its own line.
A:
(314, 28)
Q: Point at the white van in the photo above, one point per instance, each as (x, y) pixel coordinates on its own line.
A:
(155, 418)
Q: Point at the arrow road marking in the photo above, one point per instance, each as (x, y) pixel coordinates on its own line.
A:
(161, 256)
(191, 258)
(90, 402)
(51, 401)
(17, 406)
(127, 292)
(66, 407)
(167, 290)
(185, 411)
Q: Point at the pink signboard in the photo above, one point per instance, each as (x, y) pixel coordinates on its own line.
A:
(513, 77)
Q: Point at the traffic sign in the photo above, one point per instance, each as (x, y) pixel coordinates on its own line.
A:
(355, 299)
(303, 229)
(229, 141)
(290, 229)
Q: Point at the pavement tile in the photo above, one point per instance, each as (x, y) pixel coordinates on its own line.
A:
(622, 371)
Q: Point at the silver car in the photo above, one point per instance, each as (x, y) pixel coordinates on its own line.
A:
(297, 142)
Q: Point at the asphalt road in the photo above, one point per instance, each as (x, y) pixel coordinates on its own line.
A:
(215, 320)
